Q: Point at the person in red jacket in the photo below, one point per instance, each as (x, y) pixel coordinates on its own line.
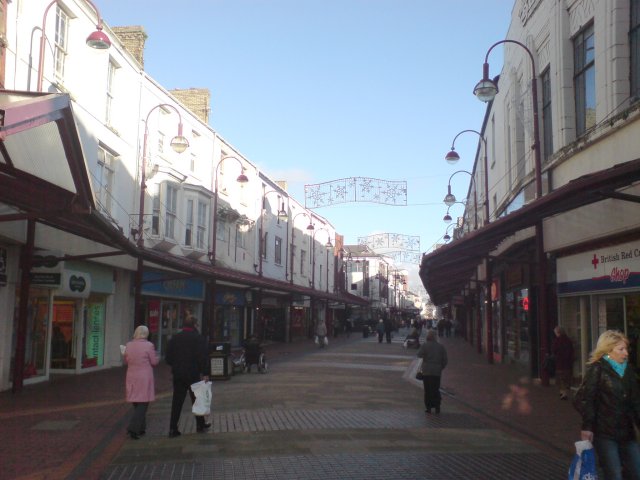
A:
(562, 351)
(140, 357)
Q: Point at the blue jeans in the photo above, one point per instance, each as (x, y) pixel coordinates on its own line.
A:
(613, 456)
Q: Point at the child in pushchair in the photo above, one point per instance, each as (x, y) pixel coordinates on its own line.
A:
(413, 339)
(254, 355)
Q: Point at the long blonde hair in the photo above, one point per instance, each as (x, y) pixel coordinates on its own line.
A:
(141, 332)
(606, 343)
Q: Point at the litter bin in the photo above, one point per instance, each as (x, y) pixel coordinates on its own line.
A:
(219, 359)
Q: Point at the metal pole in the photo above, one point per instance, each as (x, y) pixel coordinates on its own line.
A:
(23, 306)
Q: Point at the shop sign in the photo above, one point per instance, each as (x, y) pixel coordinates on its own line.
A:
(46, 270)
(608, 268)
(230, 297)
(301, 301)
(337, 306)
(269, 302)
(160, 284)
(74, 284)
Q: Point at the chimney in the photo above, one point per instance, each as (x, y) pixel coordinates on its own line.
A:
(196, 100)
(133, 39)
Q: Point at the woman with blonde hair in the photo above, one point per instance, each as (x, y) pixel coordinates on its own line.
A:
(609, 403)
(140, 357)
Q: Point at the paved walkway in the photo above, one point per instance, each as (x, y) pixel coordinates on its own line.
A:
(352, 410)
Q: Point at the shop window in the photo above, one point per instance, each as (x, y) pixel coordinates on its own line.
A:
(64, 335)
(36, 332)
(60, 42)
(94, 328)
(202, 225)
(278, 251)
(189, 224)
(584, 79)
(103, 176)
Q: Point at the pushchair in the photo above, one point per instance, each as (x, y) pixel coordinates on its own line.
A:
(254, 355)
(412, 340)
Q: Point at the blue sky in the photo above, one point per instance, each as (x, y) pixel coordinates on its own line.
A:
(313, 91)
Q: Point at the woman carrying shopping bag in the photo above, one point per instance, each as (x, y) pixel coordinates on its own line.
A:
(140, 357)
(609, 402)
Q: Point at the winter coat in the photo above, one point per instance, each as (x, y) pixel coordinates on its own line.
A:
(434, 358)
(188, 356)
(140, 357)
(609, 404)
(562, 350)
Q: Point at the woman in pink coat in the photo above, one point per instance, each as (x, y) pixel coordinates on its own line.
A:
(140, 357)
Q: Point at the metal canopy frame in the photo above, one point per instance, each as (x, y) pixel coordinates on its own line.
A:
(445, 271)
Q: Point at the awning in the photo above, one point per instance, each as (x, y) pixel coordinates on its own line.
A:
(445, 271)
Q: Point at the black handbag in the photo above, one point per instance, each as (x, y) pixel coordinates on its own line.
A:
(419, 375)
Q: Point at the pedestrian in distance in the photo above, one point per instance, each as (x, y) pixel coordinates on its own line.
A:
(562, 351)
(609, 403)
(321, 335)
(434, 360)
(348, 325)
(380, 330)
(140, 357)
(388, 328)
(187, 355)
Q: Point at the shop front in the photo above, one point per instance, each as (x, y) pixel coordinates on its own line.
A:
(300, 316)
(167, 300)
(231, 322)
(66, 319)
(599, 290)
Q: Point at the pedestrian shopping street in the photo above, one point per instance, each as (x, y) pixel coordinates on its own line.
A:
(349, 411)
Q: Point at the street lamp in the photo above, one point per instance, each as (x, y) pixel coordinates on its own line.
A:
(486, 90)
(309, 227)
(282, 215)
(447, 217)
(179, 144)
(242, 179)
(97, 40)
(450, 198)
(446, 237)
(452, 157)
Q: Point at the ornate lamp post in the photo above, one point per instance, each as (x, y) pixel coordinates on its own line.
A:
(242, 178)
(450, 198)
(179, 144)
(97, 39)
(452, 157)
(486, 90)
(446, 237)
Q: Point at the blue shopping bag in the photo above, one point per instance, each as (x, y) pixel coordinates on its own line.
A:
(583, 466)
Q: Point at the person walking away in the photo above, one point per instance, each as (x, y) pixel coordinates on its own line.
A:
(321, 332)
(434, 360)
(608, 401)
(380, 330)
(388, 328)
(189, 361)
(348, 325)
(140, 357)
(562, 351)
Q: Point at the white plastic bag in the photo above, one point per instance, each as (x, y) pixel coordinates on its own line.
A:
(316, 340)
(583, 466)
(202, 391)
(326, 340)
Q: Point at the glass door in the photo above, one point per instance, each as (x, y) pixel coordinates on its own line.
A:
(169, 324)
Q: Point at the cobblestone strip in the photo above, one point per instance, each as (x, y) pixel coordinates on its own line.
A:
(353, 466)
(278, 420)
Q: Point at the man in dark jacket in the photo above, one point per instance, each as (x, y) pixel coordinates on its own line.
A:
(187, 355)
(562, 351)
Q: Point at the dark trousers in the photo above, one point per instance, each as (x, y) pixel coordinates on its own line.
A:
(180, 390)
(432, 396)
(138, 422)
(388, 336)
